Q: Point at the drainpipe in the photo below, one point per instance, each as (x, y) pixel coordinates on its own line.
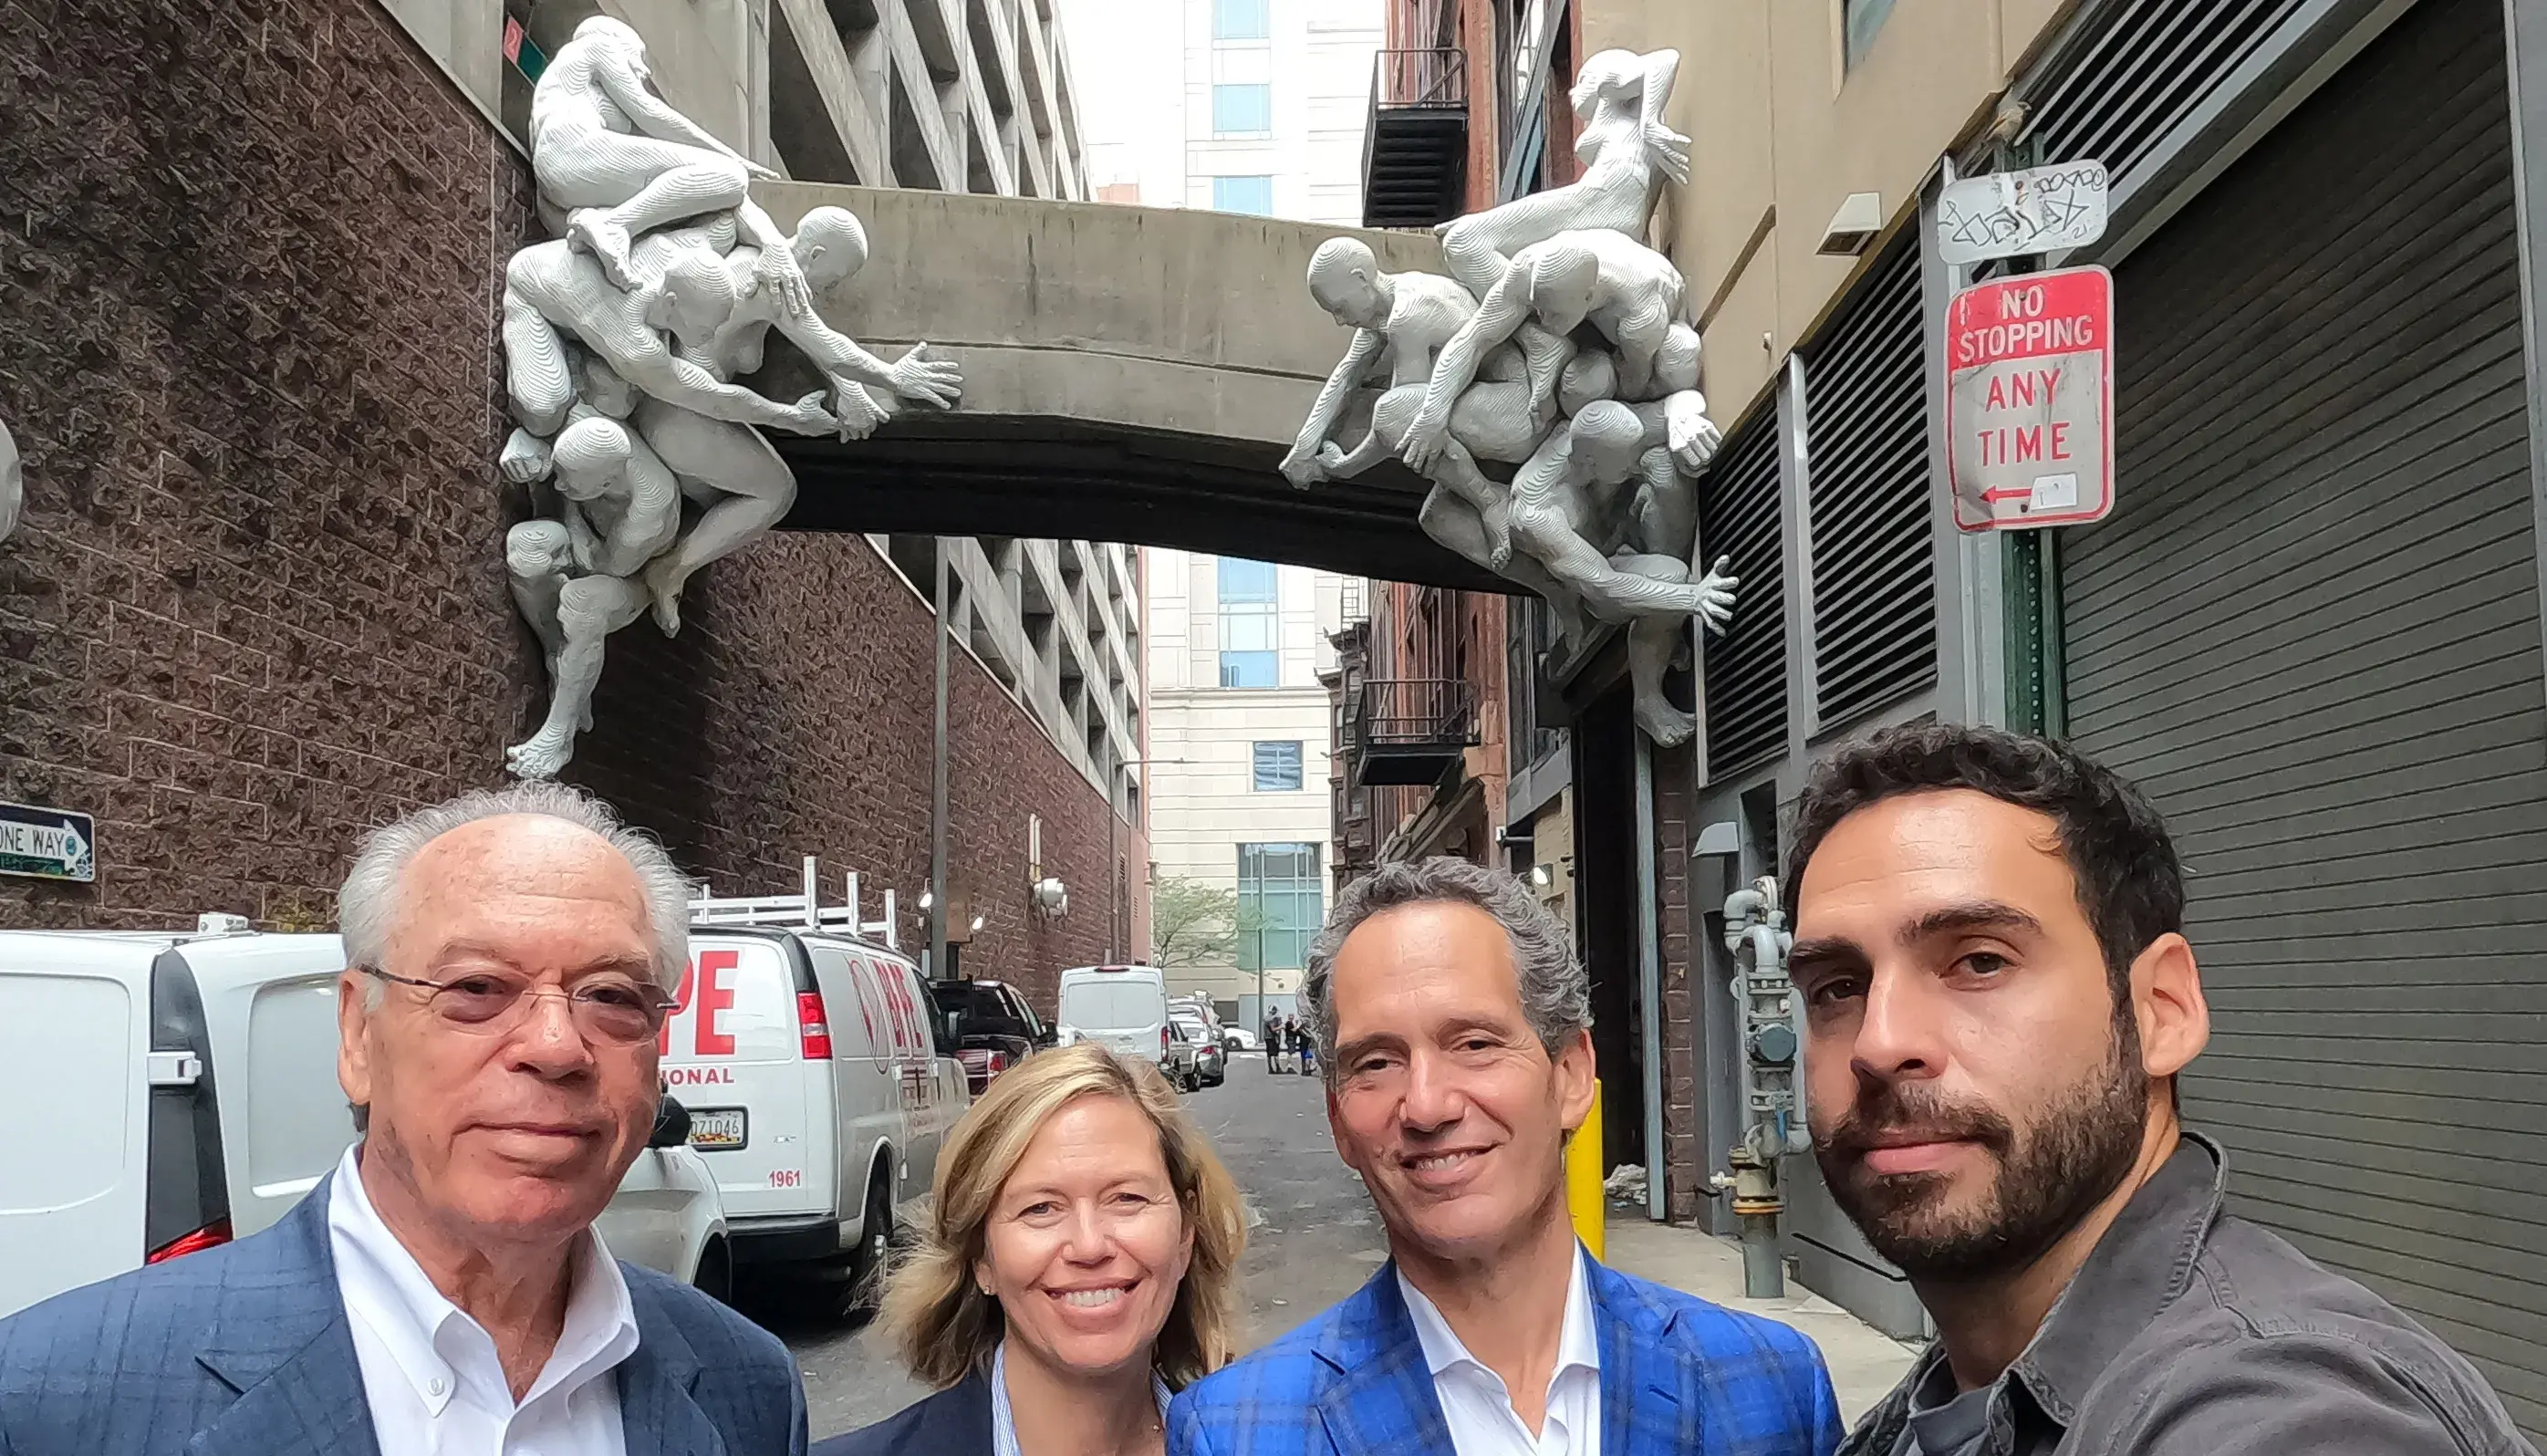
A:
(1650, 980)
(938, 792)
(1755, 929)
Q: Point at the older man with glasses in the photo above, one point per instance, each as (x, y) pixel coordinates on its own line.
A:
(443, 1290)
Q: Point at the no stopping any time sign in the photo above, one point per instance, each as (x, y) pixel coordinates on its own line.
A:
(2029, 400)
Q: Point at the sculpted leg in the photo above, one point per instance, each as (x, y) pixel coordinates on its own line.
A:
(1454, 524)
(535, 368)
(756, 485)
(589, 609)
(617, 188)
(1542, 531)
(1652, 644)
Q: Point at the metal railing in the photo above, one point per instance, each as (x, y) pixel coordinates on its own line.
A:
(1420, 78)
(1402, 712)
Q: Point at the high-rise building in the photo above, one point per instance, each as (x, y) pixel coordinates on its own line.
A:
(1268, 116)
(1238, 773)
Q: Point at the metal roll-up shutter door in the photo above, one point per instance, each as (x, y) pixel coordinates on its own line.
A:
(2311, 633)
(1746, 666)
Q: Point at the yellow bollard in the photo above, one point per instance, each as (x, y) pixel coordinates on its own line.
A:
(1587, 1195)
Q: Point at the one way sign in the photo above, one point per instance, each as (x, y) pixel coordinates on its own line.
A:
(47, 843)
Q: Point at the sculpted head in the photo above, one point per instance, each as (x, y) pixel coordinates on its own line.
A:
(1343, 278)
(599, 385)
(590, 455)
(614, 38)
(694, 299)
(1564, 274)
(831, 246)
(1612, 75)
(509, 956)
(1609, 438)
(537, 549)
(1588, 375)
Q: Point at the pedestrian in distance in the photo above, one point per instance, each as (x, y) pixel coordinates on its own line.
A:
(511, 957)
(1453, 1025)
(1079, 1264)
(1999, 998)
(1272, 1043)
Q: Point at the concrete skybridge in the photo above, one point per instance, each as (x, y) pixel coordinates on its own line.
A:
(1130, 374)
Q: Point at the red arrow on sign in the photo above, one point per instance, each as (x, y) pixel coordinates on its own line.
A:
(2008, 493)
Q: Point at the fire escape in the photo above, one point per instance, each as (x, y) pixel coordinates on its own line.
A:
(1415, 150)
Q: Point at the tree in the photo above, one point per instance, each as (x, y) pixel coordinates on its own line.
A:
(1197, 923)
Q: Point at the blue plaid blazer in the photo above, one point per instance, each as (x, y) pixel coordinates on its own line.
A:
(1678, 1375)
(245, 1350)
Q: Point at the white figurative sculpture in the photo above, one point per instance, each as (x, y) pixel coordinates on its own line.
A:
(623, 341)
(1560, 345)
(13, 489)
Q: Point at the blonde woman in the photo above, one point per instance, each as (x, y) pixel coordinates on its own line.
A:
(1079, 1264)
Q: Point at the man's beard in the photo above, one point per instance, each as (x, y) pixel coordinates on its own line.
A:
(2044, 1178)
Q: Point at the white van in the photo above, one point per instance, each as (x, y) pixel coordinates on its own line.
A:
(821, 1083)
(1123, 1008)
(186, 1091)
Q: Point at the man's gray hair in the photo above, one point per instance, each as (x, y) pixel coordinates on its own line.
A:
(368, 903)
(1555, 994)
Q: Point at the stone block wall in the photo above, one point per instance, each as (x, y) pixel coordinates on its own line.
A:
(250, 264)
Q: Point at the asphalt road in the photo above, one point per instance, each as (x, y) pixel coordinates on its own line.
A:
(1314, 1241)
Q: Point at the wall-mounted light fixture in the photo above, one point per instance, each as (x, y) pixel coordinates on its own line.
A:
(1858, 218)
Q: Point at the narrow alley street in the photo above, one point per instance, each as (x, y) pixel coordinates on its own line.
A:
(1314, 1241)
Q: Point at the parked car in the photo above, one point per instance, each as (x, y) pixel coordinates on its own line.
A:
(1183, 1063)
(1121, 1007)
(190, 1096)
(821, 1083)
(994, 1027)
(1211, 1059)
(1238, 1038)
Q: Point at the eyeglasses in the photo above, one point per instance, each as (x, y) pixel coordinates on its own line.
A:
(605, 1008)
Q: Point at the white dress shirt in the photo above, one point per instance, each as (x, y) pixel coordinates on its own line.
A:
(1003, 1421)
(431, 1372)
(1477, 1407)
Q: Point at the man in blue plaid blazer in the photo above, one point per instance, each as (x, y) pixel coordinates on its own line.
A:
(1454, 1021)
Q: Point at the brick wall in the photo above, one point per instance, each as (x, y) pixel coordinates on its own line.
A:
(250, 255)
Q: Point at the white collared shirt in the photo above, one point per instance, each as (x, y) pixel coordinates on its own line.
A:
(431, 1372)
(1004, 1419)
(1477, 1407)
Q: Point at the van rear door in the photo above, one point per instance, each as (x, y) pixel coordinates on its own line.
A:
(1123, 1008)
(74, 1063)
(734, 1053)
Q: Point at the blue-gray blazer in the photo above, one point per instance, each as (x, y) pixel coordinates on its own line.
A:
(245, 1350)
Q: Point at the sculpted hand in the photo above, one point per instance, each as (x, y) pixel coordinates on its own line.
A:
(859, 412)
(809, 417)
(917, 375)
(1670, 151)
(1425, 440)
(525, 457)
(1692, 437)
(1304, 468)
(778, 270)
(1716, 594)
(760, 172)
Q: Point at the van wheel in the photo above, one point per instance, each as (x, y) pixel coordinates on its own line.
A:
(875, 1246)
(715, 1277)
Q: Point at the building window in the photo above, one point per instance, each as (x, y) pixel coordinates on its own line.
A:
(1282, 903)
(1253, 196)
(1241, 110)
(1241, 20)
(1860, 20)
(1249, 621)
(1278, 767)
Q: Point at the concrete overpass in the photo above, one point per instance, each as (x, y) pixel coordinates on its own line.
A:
(1130, 374)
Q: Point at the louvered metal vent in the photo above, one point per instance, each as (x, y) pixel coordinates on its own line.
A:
(1746, 668)
(1874, 636)
(2140, 68)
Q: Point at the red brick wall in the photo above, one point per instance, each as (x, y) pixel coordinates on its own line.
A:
(249, 268)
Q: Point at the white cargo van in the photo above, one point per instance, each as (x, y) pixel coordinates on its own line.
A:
(189, 1096)
(1123, 1008)
(821, 1083)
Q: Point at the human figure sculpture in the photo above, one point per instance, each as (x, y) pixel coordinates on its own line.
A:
(13, 485)
(623, 504)
(1566, 499)
(573, 616)
(620, 163)
(1625, 150)
(1631, 293)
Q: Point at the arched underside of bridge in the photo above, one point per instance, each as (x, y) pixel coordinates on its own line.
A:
(1130, 374)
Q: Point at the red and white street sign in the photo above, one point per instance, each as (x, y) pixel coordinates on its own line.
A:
(2029, 400)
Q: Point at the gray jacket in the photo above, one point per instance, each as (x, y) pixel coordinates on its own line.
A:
(2192, 1333)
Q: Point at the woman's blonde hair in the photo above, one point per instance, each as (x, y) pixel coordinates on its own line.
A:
(946, 1326)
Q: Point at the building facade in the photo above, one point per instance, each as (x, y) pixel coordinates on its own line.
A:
(1238, 769)
(2310, 630)
(1266, 115)
(290, 545)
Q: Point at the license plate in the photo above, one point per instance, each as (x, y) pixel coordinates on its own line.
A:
(718, 1129)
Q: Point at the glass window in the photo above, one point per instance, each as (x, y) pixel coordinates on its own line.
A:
(1241, 109)
(1281, 883)
(1241, 20)
(1253, 196)
(1863, 19)
(1277, 766)
(1250, 624)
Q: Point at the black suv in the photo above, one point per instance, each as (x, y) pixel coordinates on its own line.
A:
(994, 1029)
